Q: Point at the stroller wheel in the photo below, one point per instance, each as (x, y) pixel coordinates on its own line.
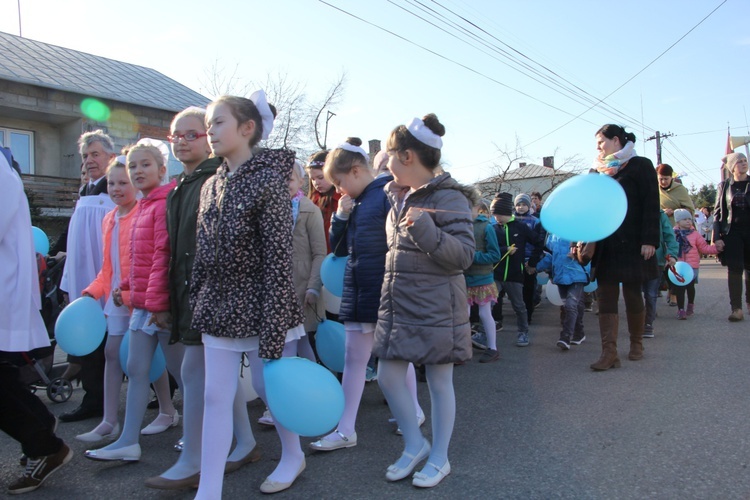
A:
(59, 390)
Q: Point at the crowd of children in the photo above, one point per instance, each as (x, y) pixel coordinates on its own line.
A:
(225, 262)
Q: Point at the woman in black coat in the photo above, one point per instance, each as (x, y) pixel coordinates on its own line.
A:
(628, 255)
(732, 228)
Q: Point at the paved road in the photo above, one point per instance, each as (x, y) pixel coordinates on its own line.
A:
(537, 424)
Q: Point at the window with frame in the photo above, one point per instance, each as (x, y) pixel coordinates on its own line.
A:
(21, 144)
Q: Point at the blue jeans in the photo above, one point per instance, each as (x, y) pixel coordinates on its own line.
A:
(650, 293)
(573, 323)
(514, 291)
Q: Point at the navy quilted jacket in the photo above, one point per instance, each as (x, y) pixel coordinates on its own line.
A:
(362, 238)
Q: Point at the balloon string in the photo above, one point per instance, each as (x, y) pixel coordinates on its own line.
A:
(510, 248)
(443, 210)
(320, 320)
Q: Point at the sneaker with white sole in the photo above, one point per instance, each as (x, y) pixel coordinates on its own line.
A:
(371, 374)
(479, 340)
(522, 340)
(39, 469)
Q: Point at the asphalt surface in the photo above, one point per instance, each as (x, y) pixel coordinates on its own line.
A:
(537, 424)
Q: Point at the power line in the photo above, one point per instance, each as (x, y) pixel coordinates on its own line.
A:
(441, 56)
(634, 76)
(577, 90)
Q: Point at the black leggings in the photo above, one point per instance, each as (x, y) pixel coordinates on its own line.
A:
(737, 259)
(680, 292)
(608, 295)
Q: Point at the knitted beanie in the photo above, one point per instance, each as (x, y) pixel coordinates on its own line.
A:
(502, 204)
(682, 214)
(523, 198)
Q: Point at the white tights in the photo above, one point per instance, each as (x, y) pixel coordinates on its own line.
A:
(222, 367)
(391, 375)
(142, 347)
(488, 322)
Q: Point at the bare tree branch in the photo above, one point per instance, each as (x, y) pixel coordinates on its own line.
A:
(334, 95)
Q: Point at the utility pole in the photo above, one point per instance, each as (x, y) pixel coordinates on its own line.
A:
(658, 136)
(19, 19)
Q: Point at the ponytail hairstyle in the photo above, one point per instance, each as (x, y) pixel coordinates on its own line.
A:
(341, 161)
(244, 110)
(611, 131)
(401, 140)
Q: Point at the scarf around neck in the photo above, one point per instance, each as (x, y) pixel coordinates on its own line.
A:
(681, 235)
(611, 164)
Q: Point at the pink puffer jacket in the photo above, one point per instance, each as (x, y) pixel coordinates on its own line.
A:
(698, 247)
(149, 253)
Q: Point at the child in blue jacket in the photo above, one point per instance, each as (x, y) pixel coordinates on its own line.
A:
(570, 277)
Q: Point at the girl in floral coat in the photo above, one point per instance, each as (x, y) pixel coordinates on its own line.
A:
(242, 291)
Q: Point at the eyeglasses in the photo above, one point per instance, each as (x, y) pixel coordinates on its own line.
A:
(189, 137)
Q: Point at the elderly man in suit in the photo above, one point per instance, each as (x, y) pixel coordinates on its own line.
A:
(84, 259)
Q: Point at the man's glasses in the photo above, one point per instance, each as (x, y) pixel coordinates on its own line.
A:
(189, 137)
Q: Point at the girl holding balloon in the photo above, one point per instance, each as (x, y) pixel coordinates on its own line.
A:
(116, 228)
(147, 283)
(692, 245)
(430, 243)
(242, 291)
(628, 255)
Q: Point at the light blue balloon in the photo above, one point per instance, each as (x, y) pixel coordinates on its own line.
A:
(303, 396)
(591, 287)
(41, 241)
(586, 207)
(332, 273)
(684, 270)
(158, 362)
(330, 342)
(80, 327)
(542, 278)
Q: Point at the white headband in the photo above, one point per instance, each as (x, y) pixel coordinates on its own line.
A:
(354, 149)
(122, 159)
(259, 98)
(161, 146)
(423, 134)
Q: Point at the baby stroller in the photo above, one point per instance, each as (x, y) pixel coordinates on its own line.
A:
(36, 366)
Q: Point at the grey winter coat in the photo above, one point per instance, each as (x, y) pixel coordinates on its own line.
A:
(423, 315)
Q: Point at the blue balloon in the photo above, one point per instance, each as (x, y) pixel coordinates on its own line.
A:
(303, 396)
(330, 342)
(586, 207)
(41, 241)
(332, 273)
(684, 270)
(158, 362)
(591, 287)
(80, 327)
(542, 278)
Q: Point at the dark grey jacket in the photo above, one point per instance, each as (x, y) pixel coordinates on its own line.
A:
(423, 315)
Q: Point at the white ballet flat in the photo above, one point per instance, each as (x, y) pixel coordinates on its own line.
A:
(93, 437)
(154, 428)
(395, 473)
(130, 453)
(422, 480)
